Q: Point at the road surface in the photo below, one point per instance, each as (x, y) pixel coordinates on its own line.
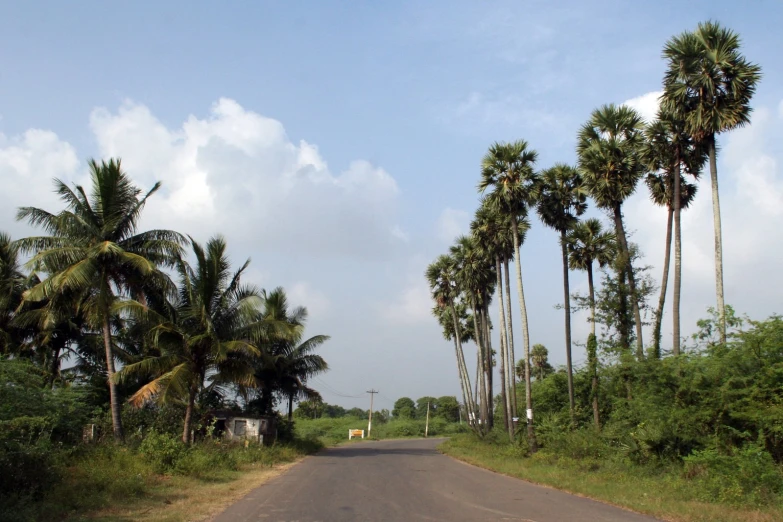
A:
(407, 480)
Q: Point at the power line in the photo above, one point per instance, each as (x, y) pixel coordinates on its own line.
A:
(335, 392)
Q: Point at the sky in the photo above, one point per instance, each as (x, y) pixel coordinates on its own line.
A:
(337, 144)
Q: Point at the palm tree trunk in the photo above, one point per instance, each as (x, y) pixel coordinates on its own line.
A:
(504, 396)
(461, 376)
(625, 251)
(512, 362)
(469, 404)
(55, 367)
(567, 301)
(290, 407)
(483, 410)
(718, 241)
(592, 349)
(531, 435)
(114, 401)
(189, 415)
(664, 284)
(488, 366)
(677, 263)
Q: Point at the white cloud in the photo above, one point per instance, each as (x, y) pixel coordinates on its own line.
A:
(646, 105)
(451, 223)
(27, 165)
(302, 293)
(412, 304)
(237, 171)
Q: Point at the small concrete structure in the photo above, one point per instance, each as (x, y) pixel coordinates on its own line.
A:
(241, 427)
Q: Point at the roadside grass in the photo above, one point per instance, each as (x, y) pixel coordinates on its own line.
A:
(111, 483)
(663, 492)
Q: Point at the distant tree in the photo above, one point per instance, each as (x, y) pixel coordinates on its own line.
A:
(404, 408)
(421, 406)
(356, 412)
(381, 416)
(447, 408)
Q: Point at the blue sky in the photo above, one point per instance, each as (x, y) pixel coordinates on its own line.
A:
(396, 102)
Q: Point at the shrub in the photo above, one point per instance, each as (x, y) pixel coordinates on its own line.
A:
(750, 476)
(162, 450)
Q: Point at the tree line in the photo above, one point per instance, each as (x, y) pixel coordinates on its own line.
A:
(707, 88)
(148, 316)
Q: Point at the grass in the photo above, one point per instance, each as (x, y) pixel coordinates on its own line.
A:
(110, 483)
(661, 492)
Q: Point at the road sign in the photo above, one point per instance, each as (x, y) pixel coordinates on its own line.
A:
(355, 433)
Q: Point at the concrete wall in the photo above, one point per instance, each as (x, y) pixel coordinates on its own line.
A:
(253, 428)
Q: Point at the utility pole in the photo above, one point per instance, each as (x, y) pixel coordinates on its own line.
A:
(372, 393)
(427, 424)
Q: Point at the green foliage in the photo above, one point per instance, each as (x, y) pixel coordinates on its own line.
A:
(161, 450)
(448, 408)
(404, 408)
(749, 476)
(421, 407)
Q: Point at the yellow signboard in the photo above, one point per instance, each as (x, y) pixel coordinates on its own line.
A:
(355, 433)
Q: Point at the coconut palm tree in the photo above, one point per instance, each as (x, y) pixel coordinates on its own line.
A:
(609, 147)
(588, 243)
(443, 287)
(709, 84)
(562, 199)
(211, 337)
(12, 286)
(93, 249)
(668, 150)
(288, 360)
(507, 169)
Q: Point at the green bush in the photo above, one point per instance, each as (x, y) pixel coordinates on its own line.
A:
(162, 450)
(750, 476)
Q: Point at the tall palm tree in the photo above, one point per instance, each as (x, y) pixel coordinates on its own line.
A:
(668, 150)
(491, 232)
(289, 360)
(207, 342)
(609, 147)
(588, 243)
(709, 83)
(475, 276)
(540, 358)
(443, 288)
(507, 169)
(93, 249)
(562, 199)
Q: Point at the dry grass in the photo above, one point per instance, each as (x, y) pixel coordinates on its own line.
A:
(664, 496)
(185, 499)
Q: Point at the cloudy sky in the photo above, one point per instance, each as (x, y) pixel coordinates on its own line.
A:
(337, 144)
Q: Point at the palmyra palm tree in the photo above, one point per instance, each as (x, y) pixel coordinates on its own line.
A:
(609, 147)
(443, 288)
(588, 243)
(562, 199)
(491, 232)
(668, 149)
(214, 330)
(507, 169)
(475, 276)
(93, 252)
(709, 84)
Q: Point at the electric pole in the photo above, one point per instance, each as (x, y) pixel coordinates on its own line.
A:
(372, 393)
(427, 424)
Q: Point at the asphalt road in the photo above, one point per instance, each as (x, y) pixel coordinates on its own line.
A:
(406, 480)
